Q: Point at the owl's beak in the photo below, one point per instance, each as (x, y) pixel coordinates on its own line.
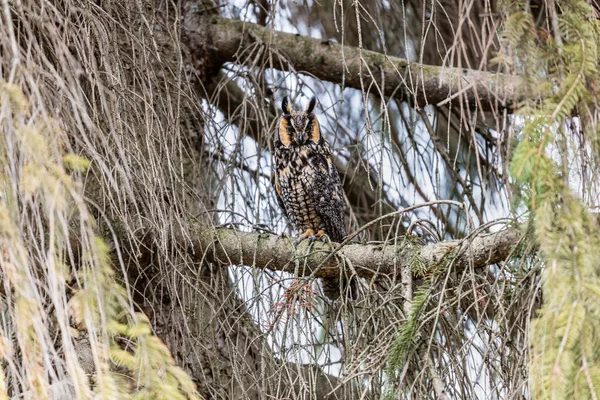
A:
(300, 138)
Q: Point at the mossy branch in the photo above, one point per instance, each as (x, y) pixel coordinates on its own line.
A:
(213, 40)
(268, 251)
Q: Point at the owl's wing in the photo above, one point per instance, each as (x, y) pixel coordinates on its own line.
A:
(327, 194)
(278, 194)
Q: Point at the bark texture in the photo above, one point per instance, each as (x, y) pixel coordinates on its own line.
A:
(267, 251)
(215, 40)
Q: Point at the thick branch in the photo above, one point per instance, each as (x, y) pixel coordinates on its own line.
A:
(356, 68)
(262, 250)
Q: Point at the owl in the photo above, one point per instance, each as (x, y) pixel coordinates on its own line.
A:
(308, 186)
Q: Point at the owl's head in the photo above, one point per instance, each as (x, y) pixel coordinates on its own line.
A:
(297, 128)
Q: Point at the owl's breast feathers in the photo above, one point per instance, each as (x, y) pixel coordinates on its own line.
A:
(309, 189)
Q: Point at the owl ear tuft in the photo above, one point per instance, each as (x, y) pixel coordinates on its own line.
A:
(285, 106)
(311, 105)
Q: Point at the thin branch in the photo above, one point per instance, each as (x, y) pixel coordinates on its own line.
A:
(438, 384)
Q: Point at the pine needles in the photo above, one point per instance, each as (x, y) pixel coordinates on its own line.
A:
(564, 336)
(72, 101)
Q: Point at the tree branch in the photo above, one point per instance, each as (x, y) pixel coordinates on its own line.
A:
(351, 66)
(262, 250)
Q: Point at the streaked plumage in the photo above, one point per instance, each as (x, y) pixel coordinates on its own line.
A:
(307, 183)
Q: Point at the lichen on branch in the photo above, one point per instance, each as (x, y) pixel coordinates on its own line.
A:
(228, 247)
(214, 40)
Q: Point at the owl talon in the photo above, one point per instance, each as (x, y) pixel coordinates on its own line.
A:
(323, 236)
(308, 234)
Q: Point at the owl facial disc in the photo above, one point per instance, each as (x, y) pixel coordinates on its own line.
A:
(298, 127)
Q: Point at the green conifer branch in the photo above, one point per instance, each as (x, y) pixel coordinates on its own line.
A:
(564, 359)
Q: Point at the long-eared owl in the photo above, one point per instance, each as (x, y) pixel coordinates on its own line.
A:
(308, 185)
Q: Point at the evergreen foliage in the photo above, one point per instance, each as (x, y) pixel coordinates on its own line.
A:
(565, 356)
(40, 181)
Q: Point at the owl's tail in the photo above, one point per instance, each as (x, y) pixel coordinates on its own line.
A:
(333, 287)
